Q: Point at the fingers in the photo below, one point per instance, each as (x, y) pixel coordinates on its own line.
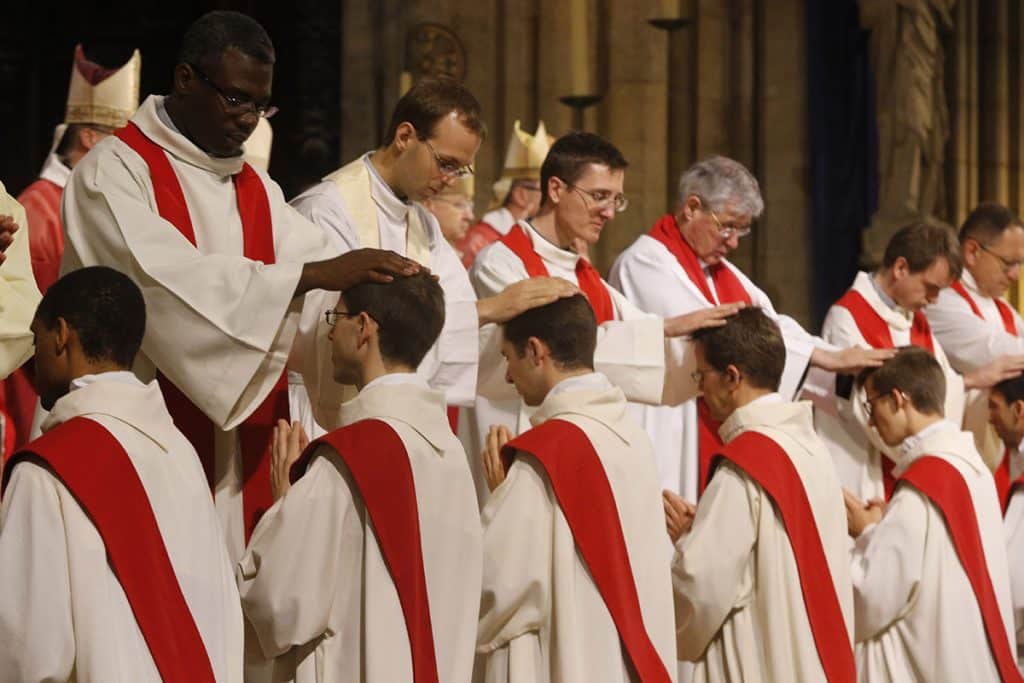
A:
(852, 501)
(303, 437)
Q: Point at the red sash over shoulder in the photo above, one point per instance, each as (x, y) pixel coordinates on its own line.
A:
(1005, 312)
(589, 279)
(729, 290)
(581, 487)
(945, 487)
(876, 333)
(380, 468)
(764, 461)
(255, 432)
(94, 467)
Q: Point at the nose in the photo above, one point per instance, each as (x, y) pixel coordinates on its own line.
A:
(508, 377)
(1014, 274)
(733, 242)
(330, 333)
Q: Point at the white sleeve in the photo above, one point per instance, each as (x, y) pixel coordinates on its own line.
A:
(709, 565)
(19, 295)
(969, 343)
(304, 554)
(887, 563)
(238, 317)
(37, 639)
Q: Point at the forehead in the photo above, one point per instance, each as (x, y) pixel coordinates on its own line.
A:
(235, 70)
(937, 273)
(1012, 237)
(601, 177)
(452, 138)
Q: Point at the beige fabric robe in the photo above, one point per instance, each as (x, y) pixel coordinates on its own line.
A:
(63, 614)
(916, 615)
(740, 613)
(320, 602)
(19, 294)
(542, 618)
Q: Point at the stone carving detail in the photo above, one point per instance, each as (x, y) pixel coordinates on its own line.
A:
(434, 50)
(907, 59)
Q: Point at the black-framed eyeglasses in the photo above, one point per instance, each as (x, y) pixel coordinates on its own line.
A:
(235, 103)
(332, 316)
(1007, 265)
(601, 199)
(869, 403)
(448, 167)
(727, 232)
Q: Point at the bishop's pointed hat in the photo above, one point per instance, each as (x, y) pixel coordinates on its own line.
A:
(523, 159)
(105, 97)
(257, 147)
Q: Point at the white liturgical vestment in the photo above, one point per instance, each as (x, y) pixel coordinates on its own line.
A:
(917, 618)
(632, 350)
(355, 208)
(740, 612)
(654, 281)
(220, 326)
(19, 295)
(319, 599)
(542, 617)
(856, 448)
(64, 615)
(1013, 522)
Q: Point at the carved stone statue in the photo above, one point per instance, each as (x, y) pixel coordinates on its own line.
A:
(907, 59)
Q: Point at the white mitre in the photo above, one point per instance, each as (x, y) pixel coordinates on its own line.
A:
(105, 97)
(525, 155)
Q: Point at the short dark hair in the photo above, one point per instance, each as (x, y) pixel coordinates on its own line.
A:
(987, 222)
(922, 244)
(567, 326)
(430, 100)
(752, 342)
(409, 312)
(569, 156)
(214, 32)
(104, 307)
(914, 372)
(1011, 389)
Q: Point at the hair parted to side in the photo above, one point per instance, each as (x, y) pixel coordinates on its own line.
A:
(409, 312)
(720, 183)
(1011, 389)
(431, 99)
(104, 307)
(749, 340)
(570, 155)
(214, 32)
(987, 222)
(914, 372)
(567, 327)
(922, 244)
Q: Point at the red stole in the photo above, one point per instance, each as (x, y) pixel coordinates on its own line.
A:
(1005, 312)
(589, 279)
(254, 434)
(945, 487)
(1005, 487)
(376, 457)
(764, 461)
(876, 333)
(94, 467)
(581, 487)
(729, 290)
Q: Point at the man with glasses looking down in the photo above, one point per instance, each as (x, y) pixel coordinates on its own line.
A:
(376, 200)
(681, 267)
(582, 178)
(222, 260)
(971, 320)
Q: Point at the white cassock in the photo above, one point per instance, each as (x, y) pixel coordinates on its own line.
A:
(63, 613)
(19, 294)
(740, 612)
(1013, 523)
(219, 325)
(317, 594)
(632, 350)
(970, 343)
(856, 448)
(652, 279)
(917, 618)
(542, 617)
(355, 208)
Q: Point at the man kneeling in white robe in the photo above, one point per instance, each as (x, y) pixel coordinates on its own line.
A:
(930, 578)
(367, 566)
(761, 578)
(111, 555)
(576, 567)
